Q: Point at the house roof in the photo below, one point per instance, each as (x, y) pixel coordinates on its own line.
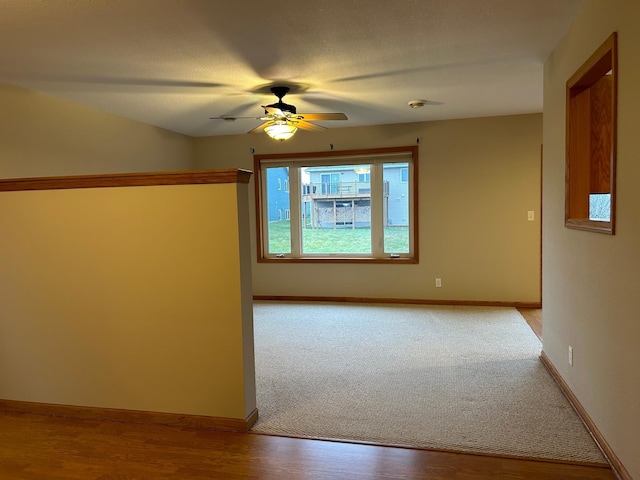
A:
(174, 64)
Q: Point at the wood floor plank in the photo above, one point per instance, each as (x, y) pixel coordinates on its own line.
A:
(533, 316)
(36, 447)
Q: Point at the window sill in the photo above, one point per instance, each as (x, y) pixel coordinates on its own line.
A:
(589, 226)
(364, 260)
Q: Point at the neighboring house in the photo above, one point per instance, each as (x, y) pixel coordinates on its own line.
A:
(396, 176)
(278, 198)
(339, 196)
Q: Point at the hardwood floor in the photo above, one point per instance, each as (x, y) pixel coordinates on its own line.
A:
(35, 447)
(533, 316)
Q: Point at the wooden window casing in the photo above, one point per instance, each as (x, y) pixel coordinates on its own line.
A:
(295, 161)
(591, 138)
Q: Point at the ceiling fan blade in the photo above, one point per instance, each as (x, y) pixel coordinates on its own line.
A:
(260, 128)
(276, 112)
(309, 126)
(322, 116)
(232, 118)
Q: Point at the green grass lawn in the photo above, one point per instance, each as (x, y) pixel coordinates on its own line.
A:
(341, 240)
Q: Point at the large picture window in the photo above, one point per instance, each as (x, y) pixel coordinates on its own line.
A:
(349, 206)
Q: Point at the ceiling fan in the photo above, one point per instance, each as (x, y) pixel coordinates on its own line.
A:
(281, 120)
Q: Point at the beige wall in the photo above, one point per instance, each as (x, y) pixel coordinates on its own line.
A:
(130, 297)
(45, 136)
(477, 180)
(592, 281)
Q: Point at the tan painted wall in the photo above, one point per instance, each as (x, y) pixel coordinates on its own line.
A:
(592, 281)
(478, 179)
(127, 297)
(44, 136)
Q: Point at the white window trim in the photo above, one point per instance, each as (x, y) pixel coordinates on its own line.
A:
(376, 158)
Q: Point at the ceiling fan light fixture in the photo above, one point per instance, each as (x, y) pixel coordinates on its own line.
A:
(281, 131)
(282, 120)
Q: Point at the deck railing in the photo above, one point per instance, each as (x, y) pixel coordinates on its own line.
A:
(340, 189)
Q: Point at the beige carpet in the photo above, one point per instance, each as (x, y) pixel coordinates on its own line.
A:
(454, 378)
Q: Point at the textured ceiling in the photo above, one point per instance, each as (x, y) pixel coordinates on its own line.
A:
(175, 63)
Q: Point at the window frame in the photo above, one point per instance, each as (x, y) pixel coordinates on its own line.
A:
(408, 154)
(590, 123)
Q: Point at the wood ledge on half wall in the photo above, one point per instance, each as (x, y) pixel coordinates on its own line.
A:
(183, 177)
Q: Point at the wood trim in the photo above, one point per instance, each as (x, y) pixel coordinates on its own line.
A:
(590, 71)
(541, 213)
(618, 468)
(259, 194)
(416, 190)
(586, 129)
(409, 301)
(251, 419)
(589, 226)
(186, 177)
(338, 153)
(355, 260)
(132, 416)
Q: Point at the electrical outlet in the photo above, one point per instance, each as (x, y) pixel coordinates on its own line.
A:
(570, 355)
(438, 282)
(531, 215)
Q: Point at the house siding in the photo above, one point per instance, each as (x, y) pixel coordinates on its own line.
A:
(278, 193)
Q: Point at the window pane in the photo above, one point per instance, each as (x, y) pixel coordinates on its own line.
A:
(345, 205)
(600, 207)
(395, 207)
(279, 230)
(336, 209)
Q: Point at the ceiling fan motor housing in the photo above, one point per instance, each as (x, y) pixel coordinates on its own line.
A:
(282, 120)
(280, 91)
(285, 107)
